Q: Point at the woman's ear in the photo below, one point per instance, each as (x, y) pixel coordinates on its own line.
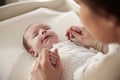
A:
(113, 22)
(33, 53)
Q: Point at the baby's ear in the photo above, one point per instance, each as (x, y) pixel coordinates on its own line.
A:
(33, 53)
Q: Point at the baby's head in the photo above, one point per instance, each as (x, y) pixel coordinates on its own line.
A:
(38, 36)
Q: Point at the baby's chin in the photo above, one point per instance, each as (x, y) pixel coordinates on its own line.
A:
(51, 42)
(55, 42)
(47, 46)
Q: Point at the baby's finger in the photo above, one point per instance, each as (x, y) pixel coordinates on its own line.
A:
(67, 32)
(76, 29)
(53, 58)
(53, 62)
(77, 35)
(68, 35)
(54, 55)
(58, 65)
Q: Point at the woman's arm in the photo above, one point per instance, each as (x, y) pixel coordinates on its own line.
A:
(108, 69)
(83, 36)
(101, 47)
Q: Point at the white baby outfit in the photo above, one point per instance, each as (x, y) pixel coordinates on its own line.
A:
(72, 57)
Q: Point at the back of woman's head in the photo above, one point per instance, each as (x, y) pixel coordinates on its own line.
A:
(111, 7)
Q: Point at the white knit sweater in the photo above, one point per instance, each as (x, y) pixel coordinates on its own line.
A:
(101, 67)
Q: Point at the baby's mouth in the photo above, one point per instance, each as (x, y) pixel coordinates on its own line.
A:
(45, 38)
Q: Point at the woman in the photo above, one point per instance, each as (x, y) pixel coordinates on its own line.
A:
(102, 20)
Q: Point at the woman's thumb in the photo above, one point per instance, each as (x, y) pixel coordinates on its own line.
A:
(58, 65)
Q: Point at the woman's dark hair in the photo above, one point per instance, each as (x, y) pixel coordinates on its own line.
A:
(111, 7)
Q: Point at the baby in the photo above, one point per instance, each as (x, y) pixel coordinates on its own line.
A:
(39, 36)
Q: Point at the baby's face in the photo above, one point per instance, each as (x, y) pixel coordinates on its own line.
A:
(40, 36)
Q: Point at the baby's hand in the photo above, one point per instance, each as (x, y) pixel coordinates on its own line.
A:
(69, 34)
(53, 57)
(82, 36)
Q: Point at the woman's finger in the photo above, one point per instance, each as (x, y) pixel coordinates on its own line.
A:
(46, 59)
(36, 66)
(53, 58)
(39, 57)
(56, 53)
(58, 65)
(37, 61)
(45, 56)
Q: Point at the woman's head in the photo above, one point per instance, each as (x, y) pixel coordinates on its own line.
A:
(38, 36)
(101, 18)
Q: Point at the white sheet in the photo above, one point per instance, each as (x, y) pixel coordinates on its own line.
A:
(18, 8)
(14, 62)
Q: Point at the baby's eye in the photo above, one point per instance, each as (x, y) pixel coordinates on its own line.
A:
(46, 27)
(35, 35)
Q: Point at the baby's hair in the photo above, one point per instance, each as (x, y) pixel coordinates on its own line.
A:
(25, 44)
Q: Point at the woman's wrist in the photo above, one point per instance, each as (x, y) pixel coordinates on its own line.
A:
(100, 47)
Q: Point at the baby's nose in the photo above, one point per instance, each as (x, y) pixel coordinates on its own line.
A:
(43, 32)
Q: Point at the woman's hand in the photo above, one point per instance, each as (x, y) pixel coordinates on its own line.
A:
(44, 70)
(81, 34)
